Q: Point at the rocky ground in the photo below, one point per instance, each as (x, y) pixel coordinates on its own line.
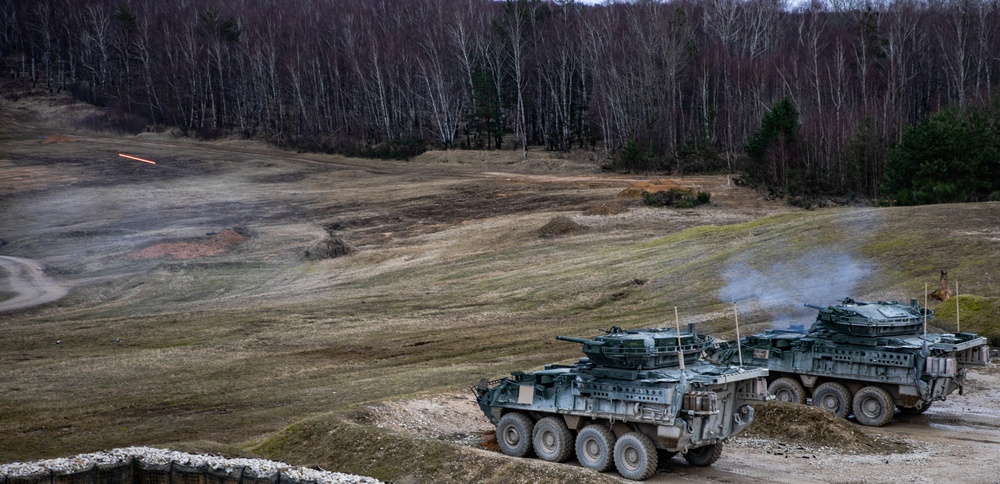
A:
(154, 456)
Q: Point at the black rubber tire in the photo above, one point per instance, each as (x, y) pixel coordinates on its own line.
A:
(873, 406)
(786, 389)
(514, 434)
(635, 456)
(834, 397)
(919, 409)
(594, 445)
(552, 440)
(704, 456)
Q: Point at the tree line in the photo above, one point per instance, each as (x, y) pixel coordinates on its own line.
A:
(811, 99)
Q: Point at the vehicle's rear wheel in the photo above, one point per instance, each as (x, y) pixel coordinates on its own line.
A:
(552, 440)
(786, 389)
(873, 406)
(514, 434)
(917, 409)
(834, 397)
(704, 456)
(635, 456)
(594, 444)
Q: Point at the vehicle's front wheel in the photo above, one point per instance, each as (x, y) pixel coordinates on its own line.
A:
(635, 456)
(873, 406)
(834, 397)
(594, 444)
(514, 434)
(552, 440)
(786, 389)
(704, 456)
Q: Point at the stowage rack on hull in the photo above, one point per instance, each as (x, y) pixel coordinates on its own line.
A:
(627, 404)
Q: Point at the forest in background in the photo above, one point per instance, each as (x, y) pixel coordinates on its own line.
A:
(828, 98)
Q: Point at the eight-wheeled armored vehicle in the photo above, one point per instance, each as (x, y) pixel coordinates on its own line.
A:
(863, 357)
(639, 395)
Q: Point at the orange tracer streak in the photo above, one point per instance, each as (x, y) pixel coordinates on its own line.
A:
(151, 162)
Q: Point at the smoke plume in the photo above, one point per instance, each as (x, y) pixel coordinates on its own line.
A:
(818, 277)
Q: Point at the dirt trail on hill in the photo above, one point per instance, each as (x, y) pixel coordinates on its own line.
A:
(26, 279)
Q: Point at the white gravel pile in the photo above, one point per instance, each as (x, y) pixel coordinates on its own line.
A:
(149, 455)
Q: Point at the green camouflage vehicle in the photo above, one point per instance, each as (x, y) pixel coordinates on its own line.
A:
(638, 397)
(862, 357)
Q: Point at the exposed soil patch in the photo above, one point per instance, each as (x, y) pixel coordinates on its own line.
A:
(454, 417)
(218, 244)
(812, 426)
(58, 138)
(561, 225)
(636, 189)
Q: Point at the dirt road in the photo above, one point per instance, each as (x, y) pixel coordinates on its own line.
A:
(25, 279)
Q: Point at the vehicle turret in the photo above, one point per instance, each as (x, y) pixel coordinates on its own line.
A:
(872, 318)
(643, 348)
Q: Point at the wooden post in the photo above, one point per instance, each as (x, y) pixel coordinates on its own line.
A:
(958, 324)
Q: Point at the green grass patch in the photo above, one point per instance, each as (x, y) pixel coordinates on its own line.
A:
(977, 314)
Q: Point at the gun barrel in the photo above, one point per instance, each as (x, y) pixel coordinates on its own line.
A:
(815, 306)
(577, 340)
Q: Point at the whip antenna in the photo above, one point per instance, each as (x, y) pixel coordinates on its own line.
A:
(739, 345)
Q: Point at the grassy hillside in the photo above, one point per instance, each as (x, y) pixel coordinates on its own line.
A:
(451, 282)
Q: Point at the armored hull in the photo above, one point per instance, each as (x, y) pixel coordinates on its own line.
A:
(627, 404)
(865, 358)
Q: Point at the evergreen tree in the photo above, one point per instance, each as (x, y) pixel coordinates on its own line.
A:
(952, 156)
(773, 147)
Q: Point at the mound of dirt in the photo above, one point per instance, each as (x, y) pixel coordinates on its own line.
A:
(815, 427)
(218, 244)
(606, 208)
(561, 225)
(58, 138)
(329, 248)
(636, 189)
(454, 417)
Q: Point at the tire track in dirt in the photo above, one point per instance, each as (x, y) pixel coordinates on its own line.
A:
(26, 279)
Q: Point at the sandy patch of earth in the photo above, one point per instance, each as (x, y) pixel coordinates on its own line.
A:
(219, 244)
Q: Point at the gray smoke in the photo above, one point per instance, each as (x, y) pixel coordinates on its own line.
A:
(818, 277)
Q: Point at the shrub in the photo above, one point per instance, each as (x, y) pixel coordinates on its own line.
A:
(676, 197)
(329, 248)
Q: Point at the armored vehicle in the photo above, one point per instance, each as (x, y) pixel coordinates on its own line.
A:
(638, 396)
(863, 357)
